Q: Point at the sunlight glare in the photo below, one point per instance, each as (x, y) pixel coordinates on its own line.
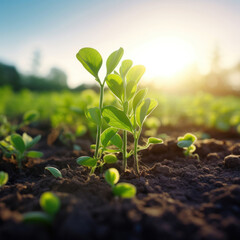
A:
(165, 57)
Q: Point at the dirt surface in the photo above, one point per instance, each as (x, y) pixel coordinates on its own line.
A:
(177, 197)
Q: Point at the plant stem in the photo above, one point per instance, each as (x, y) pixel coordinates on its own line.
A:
(135, 152)
(124, 153)
(99, 127)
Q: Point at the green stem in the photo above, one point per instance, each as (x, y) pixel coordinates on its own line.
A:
(135, 153)
(124, 150)
(99, 127)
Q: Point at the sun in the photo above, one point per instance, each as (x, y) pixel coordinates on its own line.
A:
(165, 56)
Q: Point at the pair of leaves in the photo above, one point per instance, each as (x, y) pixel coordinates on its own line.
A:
(111, 137)
(91, 59)
(186, 141)
(133, 76)
(50, 203)
(123, 190)
(144, 109)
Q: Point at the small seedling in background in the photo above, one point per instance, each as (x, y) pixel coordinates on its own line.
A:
(91, 60)
(54, 171)
(3, 178)
(187, 143)
(123, 190)
(50, 205)
(18, 146)
(7, 128)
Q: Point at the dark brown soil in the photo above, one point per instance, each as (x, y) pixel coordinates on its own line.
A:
(177, 197)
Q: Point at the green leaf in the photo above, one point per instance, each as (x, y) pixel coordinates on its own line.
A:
(110, 158)
(87, 161)
(38, 218)
(93, 114)
(30, 116)
(184, 143)
(54, 171)
(138, 98)
(116, 118)
(27, 139)
(133, 77)
(91, 60)
(114, 59)
(115, 84)
(33, 142)
(124, 190)
(112, 176)
(188, 136)
(50, 203)
(34, 154)
(125, 66)
(3, 178)
(144, 109)
(18, 143)
(153, 140)
(116, 140)
(107, 135)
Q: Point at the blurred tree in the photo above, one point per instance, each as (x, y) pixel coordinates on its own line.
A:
(9, 76)
(36, 62)
(58, 77)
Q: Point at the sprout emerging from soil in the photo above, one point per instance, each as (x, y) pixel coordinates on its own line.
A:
(123, 190)
(187, 143)
(18, 146)
(50, 204)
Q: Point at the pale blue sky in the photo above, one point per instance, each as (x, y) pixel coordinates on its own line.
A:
(59, 28)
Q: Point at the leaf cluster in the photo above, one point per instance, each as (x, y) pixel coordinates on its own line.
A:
(19, 146)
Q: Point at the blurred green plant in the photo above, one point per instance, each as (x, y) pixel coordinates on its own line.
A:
(123, 190)
(3, 178)
(187, 143)
(50, 205)
(17, 146)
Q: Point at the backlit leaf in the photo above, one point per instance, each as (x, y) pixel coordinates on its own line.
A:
(91, 59)
(125, 66)
(93, 114)
(50, 203)
(115, 84)
(112, 176)
(87, 161)
(116, 118)
(54, 171)
(138, 98)
(18, 143)
(114, 59)
(124, 190)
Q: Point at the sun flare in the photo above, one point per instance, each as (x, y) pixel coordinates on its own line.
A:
(165, 57)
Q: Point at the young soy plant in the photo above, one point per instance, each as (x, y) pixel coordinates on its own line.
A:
(92, 62)
(7, 128)
(123, 190)
(50, 204)
(134, 108)
(187, 143)
(18, 146)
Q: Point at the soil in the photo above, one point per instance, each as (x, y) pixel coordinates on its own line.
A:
(177, 197)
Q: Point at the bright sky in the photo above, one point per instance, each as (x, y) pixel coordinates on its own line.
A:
(165, 35)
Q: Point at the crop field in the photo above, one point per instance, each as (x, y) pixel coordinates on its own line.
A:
(123, 160)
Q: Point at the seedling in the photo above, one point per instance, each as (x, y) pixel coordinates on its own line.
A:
(54, 171)
(3, 178)
(123, 190)
(92, 62)
(7, 128)
(134, 107)
(18, 146)
(187, 143)
(50, 205)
